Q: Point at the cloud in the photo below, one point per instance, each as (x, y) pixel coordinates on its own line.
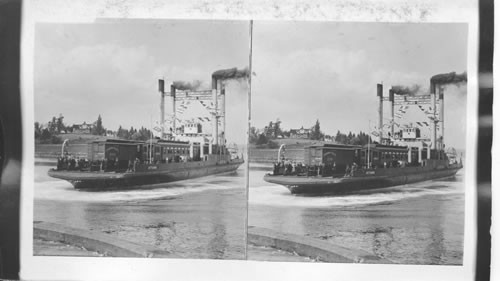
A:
(304, 85)
(338, 87)
(114, 81)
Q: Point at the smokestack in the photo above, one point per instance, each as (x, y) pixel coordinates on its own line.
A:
(161, 88)
(433, 105)
(380, 111)
(223, 113)
(172, 94)
(391, 99)
(441, 114)
(215, 121)
(161, 85)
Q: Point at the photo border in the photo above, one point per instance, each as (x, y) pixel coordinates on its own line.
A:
(69, 268)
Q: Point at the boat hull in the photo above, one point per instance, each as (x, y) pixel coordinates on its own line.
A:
(149, 175)
(330, 186)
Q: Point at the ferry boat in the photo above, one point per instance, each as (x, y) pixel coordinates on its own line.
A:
(117, 164)
(335, 169)
(398, 158)
(187, 152)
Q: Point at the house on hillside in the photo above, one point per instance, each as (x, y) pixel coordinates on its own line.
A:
(82, 128)
(300, 133)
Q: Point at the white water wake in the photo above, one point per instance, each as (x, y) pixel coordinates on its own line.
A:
(276, 195)
(53, 189)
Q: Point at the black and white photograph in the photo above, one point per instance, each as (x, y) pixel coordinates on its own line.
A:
(240, 140)
(357, 144)
(140, 138)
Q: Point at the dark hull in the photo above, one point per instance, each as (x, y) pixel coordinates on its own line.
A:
(320, 185)
(149, 175)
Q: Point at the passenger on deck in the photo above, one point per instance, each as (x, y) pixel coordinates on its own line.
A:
(130, 165)
(104, 164)
(136, 162)
(298, 169)
(347, 170)
(72, 163)
(65, 163)
(354, 168)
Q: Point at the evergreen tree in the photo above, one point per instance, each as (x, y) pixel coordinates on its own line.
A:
(98, 129)
(269, 130)
(253, 135)
(59, 126)
(262, 140)
(276, 128)
(316, 131)
(38, 130)
(53, 125)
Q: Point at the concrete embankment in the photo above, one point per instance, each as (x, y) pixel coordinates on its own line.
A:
(313, 248)
(101, 243)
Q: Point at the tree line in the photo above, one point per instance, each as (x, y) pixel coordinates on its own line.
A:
(266, 137)
(55, 128)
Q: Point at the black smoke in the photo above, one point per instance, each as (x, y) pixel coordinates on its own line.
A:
(406, 91)
(231, 73)
(449, 78)
(187, 86)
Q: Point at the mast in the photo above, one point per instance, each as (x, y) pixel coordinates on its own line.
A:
(161, 89)
(380, 95)
(369, 143)
(150, 139)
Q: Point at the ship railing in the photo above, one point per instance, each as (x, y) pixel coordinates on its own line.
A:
(71, 163)
(301, 170)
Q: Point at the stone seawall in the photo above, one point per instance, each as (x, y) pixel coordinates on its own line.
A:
(313, 248)
(95, 241)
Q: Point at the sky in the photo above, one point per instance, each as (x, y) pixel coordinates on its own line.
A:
(328, 71)
(112, 69)
(303, 71)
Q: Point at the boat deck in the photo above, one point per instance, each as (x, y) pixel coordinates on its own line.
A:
(304, 180)
(71, 175)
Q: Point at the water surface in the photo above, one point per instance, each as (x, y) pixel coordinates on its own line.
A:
(199, 218)
(420, 223)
